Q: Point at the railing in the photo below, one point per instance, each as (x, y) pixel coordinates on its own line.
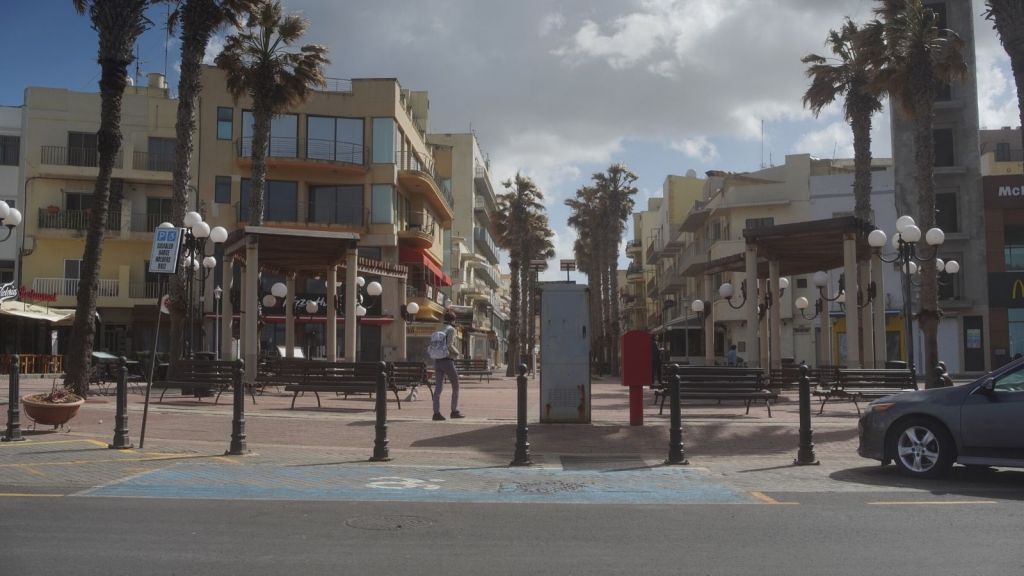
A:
(147, 222)
(108, 288)
(315, 149)
(337, 85)
(64, 156)
(482, 239)
(633, 270)
(1009, 155)
(410, 160)
(632, 244)
(153, 161)
(480, 203)
(74, 219)
(144, 290)
(487, 273)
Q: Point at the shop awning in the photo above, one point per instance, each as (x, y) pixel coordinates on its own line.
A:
(36, 312)
(417, 256)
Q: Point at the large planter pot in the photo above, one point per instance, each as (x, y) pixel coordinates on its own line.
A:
(48, 413)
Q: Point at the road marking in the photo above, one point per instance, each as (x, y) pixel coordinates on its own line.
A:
(109, 460)
(28, 468)
(769, 500)
(226, 459)
(95, 442)
(28, 495)
(929, 502)
(400, 483)
(40, 443)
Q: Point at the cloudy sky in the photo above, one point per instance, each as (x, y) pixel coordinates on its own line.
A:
(559, 89)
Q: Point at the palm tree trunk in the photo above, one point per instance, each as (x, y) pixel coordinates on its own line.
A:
(260, 138)
(614, 277)
(113, 80)
(513, 313)
(197, 18)
(924, 159)
(524, 308)
(860, 124)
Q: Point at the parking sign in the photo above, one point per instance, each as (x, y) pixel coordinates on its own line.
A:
(163, 259)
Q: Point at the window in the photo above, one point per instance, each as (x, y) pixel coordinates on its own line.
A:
(72, 269)
(950, 285)
(1014, 381)
(280, 202)
(944, 154)
(1016, 325)
(225, 123)
(383, 210)
(1002, 151)
(943, 91)
(336, 205)
(158, 210)
(334, 139)
(946, 213)
(284, 135)
(384, 140)
(1013, 247)
(9, 149)
(82, 149)
(754, 223)
(801, 282)
(161, 154)
(78, 201)
(222, 190)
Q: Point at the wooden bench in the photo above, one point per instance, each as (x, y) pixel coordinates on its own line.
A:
(473, 367)
(341, 378)
(202, 376)
(719, 383)
(410, 375)
(858, 384)
(281, 372)
(788, 377)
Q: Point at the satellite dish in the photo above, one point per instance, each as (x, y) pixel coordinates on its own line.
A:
(691, 173)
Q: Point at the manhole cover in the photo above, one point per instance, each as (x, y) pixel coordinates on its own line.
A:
(389, 522)
(546, 487)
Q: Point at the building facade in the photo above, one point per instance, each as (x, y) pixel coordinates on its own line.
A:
(10, 185)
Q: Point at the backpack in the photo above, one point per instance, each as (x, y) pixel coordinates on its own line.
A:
(438, 347)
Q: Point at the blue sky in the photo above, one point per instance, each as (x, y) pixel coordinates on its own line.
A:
(557, 89)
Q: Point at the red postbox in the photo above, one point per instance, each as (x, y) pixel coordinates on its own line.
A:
(637, 371)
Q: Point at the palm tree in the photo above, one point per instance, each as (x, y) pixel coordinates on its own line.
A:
(258, 64)
(848, 75)
(913, 58)
(1007, 17)
(118, 23)
(585, 218)
(520, 202)
(539, 247)
(199, 20)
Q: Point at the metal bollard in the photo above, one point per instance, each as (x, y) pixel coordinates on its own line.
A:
(121, 438)
(238, 446)
(380, 440)
(13, 404)
(522, 456)
(676, 451)
(805, 455)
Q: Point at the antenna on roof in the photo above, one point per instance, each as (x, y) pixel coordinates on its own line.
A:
(762, 143)
(138, 60)
(167, 36)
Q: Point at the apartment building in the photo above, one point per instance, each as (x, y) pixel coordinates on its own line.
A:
(10, 185)
(635, 302)
(353, 158)
(59, 167)
(959, 200)
(472, 260)
(1002, 165)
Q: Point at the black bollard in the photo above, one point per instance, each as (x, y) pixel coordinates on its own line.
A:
(13, 403)
(380, 440)
(805, 455)
(522, 456)
(121, 438)
(238, 446)
(676, 451)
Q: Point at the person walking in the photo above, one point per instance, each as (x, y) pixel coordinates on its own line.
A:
(730, 356)
(442, 350)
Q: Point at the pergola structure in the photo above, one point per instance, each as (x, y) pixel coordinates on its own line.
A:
(804, 248)
(290, 252)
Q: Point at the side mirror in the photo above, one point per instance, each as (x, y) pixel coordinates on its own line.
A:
(988, 387)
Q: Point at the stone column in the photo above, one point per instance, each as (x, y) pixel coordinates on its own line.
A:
(251, 351)
(709, 322)
(775, 315)
(753, 352)
(227, 310)
(852, 313)
(867, 345)
(331, 324)
(402, 333)
(878, 309)
(351, 295)
(289, 318)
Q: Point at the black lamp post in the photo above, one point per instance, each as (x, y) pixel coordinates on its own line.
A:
(198, 263)
(9, 218)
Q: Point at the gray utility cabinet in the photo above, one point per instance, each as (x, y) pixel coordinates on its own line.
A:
(564, 353)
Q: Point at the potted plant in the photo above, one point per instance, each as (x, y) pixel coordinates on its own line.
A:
(55, 408)
(51, 209)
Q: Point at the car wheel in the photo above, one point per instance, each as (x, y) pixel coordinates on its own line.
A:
(922, 448)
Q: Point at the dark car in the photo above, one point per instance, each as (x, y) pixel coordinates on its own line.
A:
(926, 431)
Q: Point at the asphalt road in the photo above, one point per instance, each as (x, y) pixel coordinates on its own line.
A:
(853, 533)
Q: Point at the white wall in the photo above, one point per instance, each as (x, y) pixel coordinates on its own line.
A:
(10, 181)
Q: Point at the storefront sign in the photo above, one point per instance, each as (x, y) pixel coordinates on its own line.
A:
(1006, 290)
(163, 258)
(8, 292)
(33, 296)
(1003, 191)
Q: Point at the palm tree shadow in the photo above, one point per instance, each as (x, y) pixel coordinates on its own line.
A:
(962, 481)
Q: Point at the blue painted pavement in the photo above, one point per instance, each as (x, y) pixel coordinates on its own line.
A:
(370, 482)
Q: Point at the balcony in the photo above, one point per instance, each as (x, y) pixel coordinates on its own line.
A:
(482, 179)
(147, 222)
(419, 234)
(634, 248)
(153, 162)
(313, 154)
(416, 174)
(634, 273)
(489, 276)
(81, 157)
(108, 288)
(144, 290)
(74, 220)
(483, 244)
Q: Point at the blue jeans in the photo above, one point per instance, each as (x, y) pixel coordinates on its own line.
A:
(445, 367)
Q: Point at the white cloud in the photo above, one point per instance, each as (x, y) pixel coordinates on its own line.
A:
(698, 148)
(550, 23)
(214, 47)
(997, 93)
(832, 141)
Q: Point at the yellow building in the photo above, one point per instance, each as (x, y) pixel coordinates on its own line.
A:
(60, 166)
(352, 159)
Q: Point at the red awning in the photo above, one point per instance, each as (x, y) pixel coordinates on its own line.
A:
(419, 257)
(305, 319)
